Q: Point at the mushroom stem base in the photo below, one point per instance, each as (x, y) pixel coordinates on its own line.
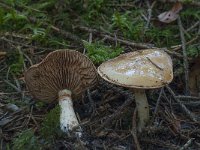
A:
(68, 119)
(142, 108)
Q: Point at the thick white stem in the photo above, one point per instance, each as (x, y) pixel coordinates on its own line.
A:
(142, 108)
(68, 119)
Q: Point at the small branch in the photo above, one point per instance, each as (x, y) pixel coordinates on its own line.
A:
(188, 97)
(13, 86)
(16, 35)
(189, 142)
(174, 53)
(157, 104)
(190, 2)
(178, 47)
(134, 130)
(190, 28)
(22, 44)
(185, 59)
(191, 103)
(187, 112)
(161, 143)
(118, 112)
(114, 39)
(68, 35)
(150, 7)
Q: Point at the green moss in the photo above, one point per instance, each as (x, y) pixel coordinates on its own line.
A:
(51, 124)
(26, 140)
(193, 50)
(191, 13)
(130, 28)
(99, 53)
(16, 62)
(162, 37)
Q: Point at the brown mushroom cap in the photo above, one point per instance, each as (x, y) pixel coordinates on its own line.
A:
(61, 69)
(146, 69)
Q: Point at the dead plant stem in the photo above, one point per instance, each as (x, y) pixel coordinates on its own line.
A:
(185, 58)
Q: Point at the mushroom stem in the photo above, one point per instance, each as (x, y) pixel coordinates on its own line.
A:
(142, 108)
(68, 119)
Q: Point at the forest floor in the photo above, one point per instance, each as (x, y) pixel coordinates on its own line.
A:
(101, 29)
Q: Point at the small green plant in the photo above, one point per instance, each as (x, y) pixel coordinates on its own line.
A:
(50, 126)
(193, 50)
(94, 7)
(12, 20)
(130, 28)
(193, 13)
(161, 37)
(99, 53)
(121, 21)
(16, 62)
(26, 140)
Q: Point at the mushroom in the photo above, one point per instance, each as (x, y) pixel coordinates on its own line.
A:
(139, 70)
(63, 74)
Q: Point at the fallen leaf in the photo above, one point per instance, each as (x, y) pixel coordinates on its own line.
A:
(177, 7)
(172, 15)
(168, 17)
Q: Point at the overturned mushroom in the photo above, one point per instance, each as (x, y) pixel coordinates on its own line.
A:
(62, 74)
(139, 70)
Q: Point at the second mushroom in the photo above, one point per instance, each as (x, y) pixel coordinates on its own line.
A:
(139, 70)
(63, 74)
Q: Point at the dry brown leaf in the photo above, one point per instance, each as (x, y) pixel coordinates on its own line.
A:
(172, 15)
(177, 7)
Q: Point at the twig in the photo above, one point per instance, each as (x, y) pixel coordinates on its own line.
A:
(188, 97)
(174, 53)
(185, 59)
(193, 26)
(161, 143)
(191, 2)
(22, 44)
(187, 112)
(154, 64)
(114, 39)
(122, 5)
(192, 103)
(187, 144)
(134, 130)
(66, 34)
(13, 86)
(138, 45)
(16, 35)
(150, 7)
(157, 105)
(92, 103)
(177, 47)
(190, 28)
(17, 83)
(118, 112)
